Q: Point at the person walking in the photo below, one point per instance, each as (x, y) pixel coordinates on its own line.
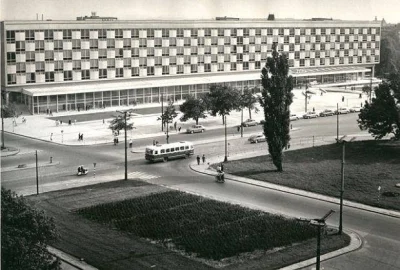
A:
(198, 160)
(82, 137)
(175, 126)
(130, 143)
(203, 158)
(51, 137)
(238, 128)
(79, 136)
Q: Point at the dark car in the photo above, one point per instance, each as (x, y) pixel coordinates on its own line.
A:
(249, 122)
(326, 113)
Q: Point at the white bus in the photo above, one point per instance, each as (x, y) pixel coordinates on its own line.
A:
(165, 152)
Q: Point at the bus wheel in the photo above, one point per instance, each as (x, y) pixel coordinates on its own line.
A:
(165, 159)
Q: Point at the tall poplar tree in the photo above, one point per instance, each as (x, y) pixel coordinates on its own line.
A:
(276, 99)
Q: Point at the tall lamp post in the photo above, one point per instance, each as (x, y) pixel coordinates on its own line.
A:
(343, 142)
(3, 93)
(320, 223)
(126, 143)
(226, 142)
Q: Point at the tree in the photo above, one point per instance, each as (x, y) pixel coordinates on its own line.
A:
(193, 108)
(222, 100)
(118, 123)
(25, 234)
(169, 114)
(249, 100)
(276, 99)
(382, 116)
(9, 110)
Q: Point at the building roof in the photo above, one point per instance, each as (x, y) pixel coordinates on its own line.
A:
(180, 80)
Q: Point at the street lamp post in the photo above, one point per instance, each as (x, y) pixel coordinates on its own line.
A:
(2, 120)
(162, 110)
(320, 223)
(226, 142)
(126, 143)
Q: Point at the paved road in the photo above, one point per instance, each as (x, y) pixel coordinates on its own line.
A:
(380, 233)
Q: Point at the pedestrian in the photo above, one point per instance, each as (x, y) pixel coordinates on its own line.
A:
(342, 98)
(175, 126)
(79, 136)
(47, 111)
(103, 121)
(75, 122)
(154, 142)
(361, 104)
(57, 123)
(51, 137)
(60, 122)
(359, 96)
(313, 109)
(117, 140)
(130, 143)
(222, 166)
(82, 137)
(179, 129)
(198, 160)
(69, 122)
(51, 113)
(238, 128)
(204, 158)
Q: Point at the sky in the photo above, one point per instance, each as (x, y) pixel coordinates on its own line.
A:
(201, 9)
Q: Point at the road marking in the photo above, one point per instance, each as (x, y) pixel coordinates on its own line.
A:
(142, 175)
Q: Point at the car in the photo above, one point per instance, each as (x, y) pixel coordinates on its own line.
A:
(195, 129)
(249, 122)
(310, 115)
(355, 109)
(257, 138)
(293, 117)
(326, 113)
(342, 111)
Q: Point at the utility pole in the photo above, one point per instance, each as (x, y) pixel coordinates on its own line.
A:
(126, 143)
(343, 142)
(370, 88)
(162, 110)
(37, 175)
(226, 142)
(2, 120)
(337, 122)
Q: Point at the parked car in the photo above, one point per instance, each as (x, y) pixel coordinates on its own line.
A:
(294, 117)
(249, 122)
(257, 138)
(355, 109)
(195, 128)
(310, 115)
(326, 113)
(342, 111)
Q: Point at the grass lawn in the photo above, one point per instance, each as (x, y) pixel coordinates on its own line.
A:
(211, 229)
(368, 165)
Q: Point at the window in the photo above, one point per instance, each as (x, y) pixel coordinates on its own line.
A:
(20, 46)
(49, 55)
(150, 71)
(221, 67)
(58, 65)
(200, 41)
(29, 35)
(30, 78)
(49, 76)
(220, 32)
(172, 61)
(157, 42)
(150, 51)
(135, 71)
(135, 52)
(67, 55)
(39, 45)
(127, 43)
(102, 53)
(207, 67)
(118, 33)
(102, 73)
(165, 52)
(21, 68)
(165, 70)
(85, 34)
(110, 63)
(68, 75)
(135, 33)
(85, 54)
(142, 42)
(239, 40)
(94, 64)
(76, 65)
(258, 31)
(110, 43)
(193, 50)
(11, 79)
(119, 72)
(94, 44)
(180, 69)
(186, 59)
(193, 32)
(39, 66)
(11, 57)
(179, 32)
(119, 53)
(76, 44)
(158, 61)
(102, 33)
(10, 36)
(258, 64)
(239, 58)
(67, 34)
(193, 68)
(85, 74)
(233, 66)
(186, 42)
(207, 32)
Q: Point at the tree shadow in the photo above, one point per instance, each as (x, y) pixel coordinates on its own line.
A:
(252, 172)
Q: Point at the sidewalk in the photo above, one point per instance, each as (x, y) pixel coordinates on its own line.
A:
(147, 126)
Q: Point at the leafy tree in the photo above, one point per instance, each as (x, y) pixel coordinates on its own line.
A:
(169, 113)
(118, 123)
(9, 111)
(25, 234)
(389, 51)
(249, 100)
(193, 108)
(382, 116)
(222, 100)
(276, 99)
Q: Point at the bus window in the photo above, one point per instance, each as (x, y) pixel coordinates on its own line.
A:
(172, 149)
(182, 147)
(167, 150)
(162, 151)
(186, 147)
(155, 152)
(176, 148)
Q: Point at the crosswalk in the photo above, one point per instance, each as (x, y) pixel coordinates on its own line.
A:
(142, 175)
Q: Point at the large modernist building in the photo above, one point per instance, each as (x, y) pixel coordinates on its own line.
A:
(92, 63)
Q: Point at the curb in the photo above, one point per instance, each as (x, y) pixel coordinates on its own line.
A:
(355, 244)
(29, 166)
(8, 153)
(70, 259)
(299, 192)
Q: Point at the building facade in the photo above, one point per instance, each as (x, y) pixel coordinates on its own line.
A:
(70, 65)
